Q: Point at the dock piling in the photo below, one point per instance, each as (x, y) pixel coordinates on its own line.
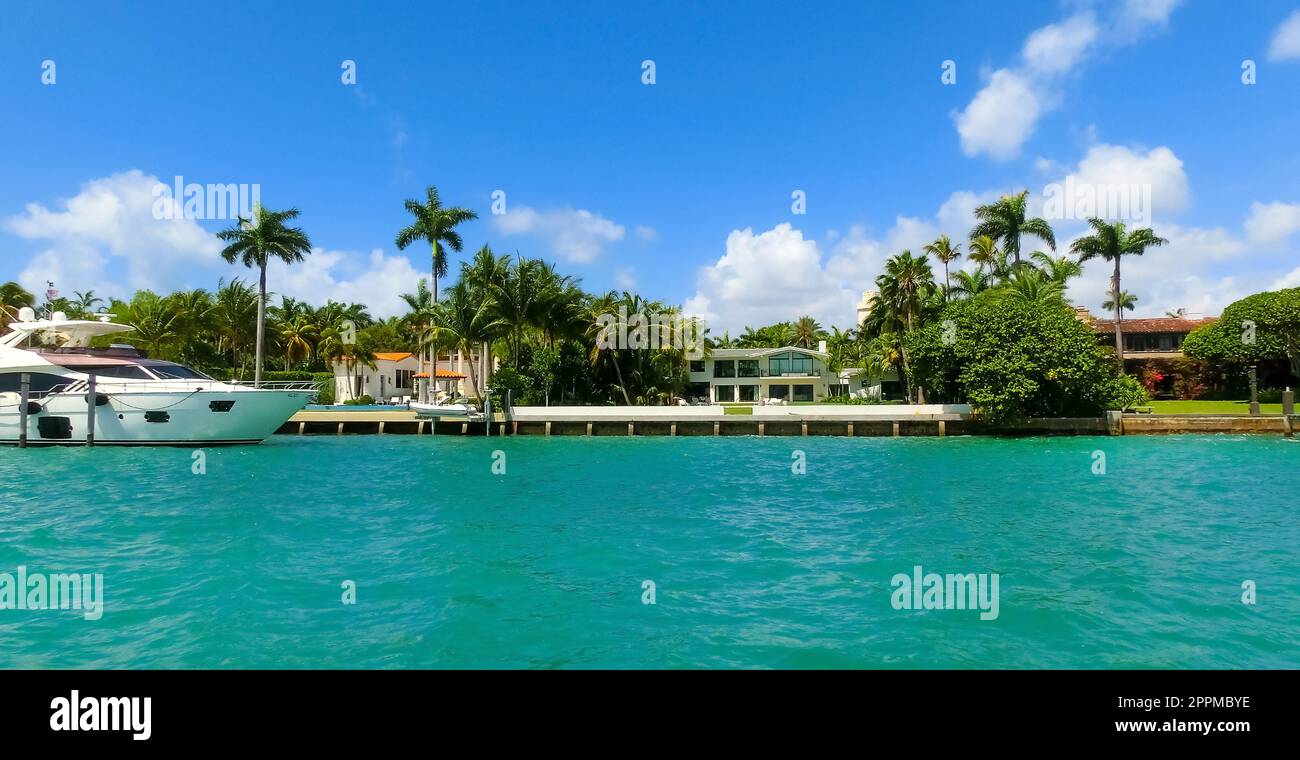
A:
(24, 392)
(90, 411)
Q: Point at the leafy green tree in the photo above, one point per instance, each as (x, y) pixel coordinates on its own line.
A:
(12, 298)
(1259, 328)
(1013, 359)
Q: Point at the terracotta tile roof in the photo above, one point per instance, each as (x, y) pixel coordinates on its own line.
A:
(1154, 325)
(446, 373)
(394, 357)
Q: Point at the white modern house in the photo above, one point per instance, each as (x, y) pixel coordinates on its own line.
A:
(775, 375)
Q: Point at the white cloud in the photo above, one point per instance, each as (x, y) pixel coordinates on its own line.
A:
(1147, 12)
(1056, 48)
(768, 277)
(574, 235)
(1286, 40)
(625, 278)
(1000, 118)
(1288, 280)
(109, 221)
(375, 280)
(1115, 168)
(646, 233)
(1003, 115)
(1272, 223)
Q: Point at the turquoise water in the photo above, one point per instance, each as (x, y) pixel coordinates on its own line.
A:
(753, 565)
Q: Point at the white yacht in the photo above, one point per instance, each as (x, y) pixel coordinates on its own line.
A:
(138, 401)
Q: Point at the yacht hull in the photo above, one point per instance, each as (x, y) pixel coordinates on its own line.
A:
(204, 417)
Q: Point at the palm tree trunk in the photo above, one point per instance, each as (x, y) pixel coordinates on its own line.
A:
(947, 286)
(433, 356)
(622, 386)
(907, 367)
(1119, 318)
(261, 323)
(473, 376)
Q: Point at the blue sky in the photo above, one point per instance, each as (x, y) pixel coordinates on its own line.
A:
(680, 189)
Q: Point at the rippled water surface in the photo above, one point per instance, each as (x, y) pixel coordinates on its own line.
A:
(752, 565)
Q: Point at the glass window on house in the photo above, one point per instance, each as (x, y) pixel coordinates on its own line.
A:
(779, 391)
(724, 393)
(725, 368)
(749, 393)
(697, 365)
(747, 368)
(803, 393)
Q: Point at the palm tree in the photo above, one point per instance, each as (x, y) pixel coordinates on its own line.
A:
(1032, 286)
(984, 252)
(904, 289)
(156, 323)
(351, 354)
(1179, 313)
(943, 250)
(602, 306)
(1005, 221)
(435, 225)
(465, 322)
(84, 303)
(1112, 242)
(1119, 303)
(296, 336)
(1060, 269)
(12, 298)
(255, 242)
(972, 283)
(233, 317)
(519, 301)
(806, 332)
(419, 320)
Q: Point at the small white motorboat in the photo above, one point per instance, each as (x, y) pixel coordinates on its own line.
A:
(459, 410)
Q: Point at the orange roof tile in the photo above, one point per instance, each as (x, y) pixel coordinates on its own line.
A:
(442, 373)
(394, 357)
(1153, 325)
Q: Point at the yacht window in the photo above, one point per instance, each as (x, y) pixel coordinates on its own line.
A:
(39, 382)
(176, 372)
(128, 371)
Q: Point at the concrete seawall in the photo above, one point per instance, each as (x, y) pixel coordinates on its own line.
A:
(933, 420)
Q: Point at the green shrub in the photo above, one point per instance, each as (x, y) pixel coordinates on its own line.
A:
(1126, 392)
(1013, 359)
(364, 400)
(852, 401)
(325, 386)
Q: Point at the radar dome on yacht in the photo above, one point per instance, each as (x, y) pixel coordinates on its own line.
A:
(59, 316)
(26, 314)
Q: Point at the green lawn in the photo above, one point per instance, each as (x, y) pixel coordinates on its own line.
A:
(1211, 407)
